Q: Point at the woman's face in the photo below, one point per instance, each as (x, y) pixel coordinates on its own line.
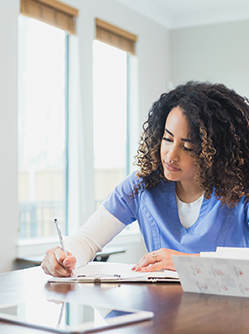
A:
(176, 147)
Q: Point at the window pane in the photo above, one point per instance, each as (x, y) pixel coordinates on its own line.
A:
(42, 130)
(110, 118)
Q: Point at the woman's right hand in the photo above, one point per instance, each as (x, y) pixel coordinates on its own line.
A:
(56, 263)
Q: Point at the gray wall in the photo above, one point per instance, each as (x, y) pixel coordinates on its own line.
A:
(218, 53)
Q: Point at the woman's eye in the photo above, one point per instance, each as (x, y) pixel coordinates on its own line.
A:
(167, 139)
(170, 140)
(187, 149)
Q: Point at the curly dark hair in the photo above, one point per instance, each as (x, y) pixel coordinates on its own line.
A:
(218, 120)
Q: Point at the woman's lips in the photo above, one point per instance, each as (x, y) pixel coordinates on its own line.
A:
(171, 167)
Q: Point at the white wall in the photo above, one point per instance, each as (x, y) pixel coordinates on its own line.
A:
(218, 53)
(8, 133)
(153, 60)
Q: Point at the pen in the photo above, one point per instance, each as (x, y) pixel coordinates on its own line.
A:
(60, 236)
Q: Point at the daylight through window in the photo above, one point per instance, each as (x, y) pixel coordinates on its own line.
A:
(42, 128)
(110, 118)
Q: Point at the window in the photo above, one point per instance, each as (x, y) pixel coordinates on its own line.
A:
(112, 58)
(110, 118)
(42, 132)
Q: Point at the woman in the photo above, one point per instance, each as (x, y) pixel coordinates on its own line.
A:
(190, 193)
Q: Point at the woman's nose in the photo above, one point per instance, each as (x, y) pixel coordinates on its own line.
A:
(173, 154)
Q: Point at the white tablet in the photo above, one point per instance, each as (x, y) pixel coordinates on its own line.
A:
(69, 317)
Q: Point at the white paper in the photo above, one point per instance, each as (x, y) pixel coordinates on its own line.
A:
(121, 272)
(213, 275)
(240, 253)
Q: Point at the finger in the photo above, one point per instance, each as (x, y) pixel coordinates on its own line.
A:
(59, 254)
(69, 262)
(51, 265)
(152, 267)
(146, 261)
(140, 261)
(44, 267)
(48, 267)
(136, 266)
(141, 264)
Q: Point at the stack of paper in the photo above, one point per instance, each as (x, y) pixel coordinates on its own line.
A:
(224, 272)
(228, 253)
(105, 272)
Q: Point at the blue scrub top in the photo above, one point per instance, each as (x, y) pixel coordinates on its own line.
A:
(157, 215)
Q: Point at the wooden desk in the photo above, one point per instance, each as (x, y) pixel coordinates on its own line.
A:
(175, 312)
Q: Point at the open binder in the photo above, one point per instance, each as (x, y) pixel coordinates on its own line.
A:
(105, 272)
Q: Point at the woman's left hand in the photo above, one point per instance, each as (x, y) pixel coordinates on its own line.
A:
(157, 260)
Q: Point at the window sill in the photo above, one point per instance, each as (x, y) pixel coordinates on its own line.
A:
(33, 247)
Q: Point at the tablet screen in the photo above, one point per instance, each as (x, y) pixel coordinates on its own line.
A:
(69, 317)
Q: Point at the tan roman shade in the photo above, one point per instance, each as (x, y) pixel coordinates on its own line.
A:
(51, 12)
(114, 36)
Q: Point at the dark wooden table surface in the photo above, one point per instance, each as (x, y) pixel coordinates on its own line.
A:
(174, 310)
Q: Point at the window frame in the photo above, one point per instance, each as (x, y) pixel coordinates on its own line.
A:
(27, 246)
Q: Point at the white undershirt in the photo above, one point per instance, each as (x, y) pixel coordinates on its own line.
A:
(100, 229)
(188, 212)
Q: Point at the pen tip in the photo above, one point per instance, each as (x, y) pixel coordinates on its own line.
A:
(55, 220)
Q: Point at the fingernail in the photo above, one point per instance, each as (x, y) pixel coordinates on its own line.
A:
(136, 268)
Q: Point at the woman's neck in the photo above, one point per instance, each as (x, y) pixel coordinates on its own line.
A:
(188, 192)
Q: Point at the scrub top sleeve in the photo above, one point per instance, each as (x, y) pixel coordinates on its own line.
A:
(247, 216)
(120, 203)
